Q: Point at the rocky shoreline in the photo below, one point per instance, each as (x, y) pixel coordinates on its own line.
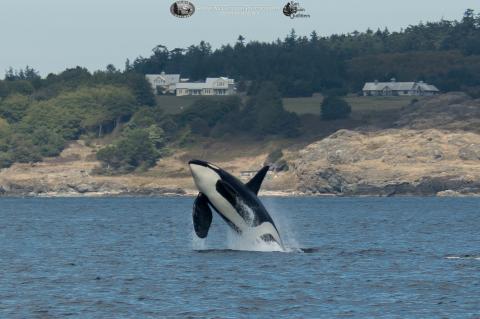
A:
(85, 190)
(426, 188)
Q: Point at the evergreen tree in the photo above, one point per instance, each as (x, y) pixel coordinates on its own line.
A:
(334, 108)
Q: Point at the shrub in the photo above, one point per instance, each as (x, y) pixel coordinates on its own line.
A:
(199, 126)
(6, 159)
(23, 150)
(334, 108)
(135, 149)
(14, 107)
(48, 143)
(274, 156)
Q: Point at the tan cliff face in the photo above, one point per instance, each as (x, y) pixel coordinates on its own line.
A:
(391, 162)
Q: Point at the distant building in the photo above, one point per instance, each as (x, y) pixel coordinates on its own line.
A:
(163, 83)
(394, 88)
(172, 84)
(212, 86)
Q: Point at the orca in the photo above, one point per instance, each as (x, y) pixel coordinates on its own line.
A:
(237, 203)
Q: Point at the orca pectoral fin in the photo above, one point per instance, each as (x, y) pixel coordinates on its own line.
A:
(256, 182)
(202, 216)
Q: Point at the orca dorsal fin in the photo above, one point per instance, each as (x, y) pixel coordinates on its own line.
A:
(256, 182)
(202, 216)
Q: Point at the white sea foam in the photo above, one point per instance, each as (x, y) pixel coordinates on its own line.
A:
(285, 227)
(197, 242)
(463, 257)
(250, 240)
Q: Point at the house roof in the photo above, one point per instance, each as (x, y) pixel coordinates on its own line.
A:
(394, 86)
(428, 87)
(169, 78)
(398, 86)
(193, 85)
(208, 84)
(212, 80)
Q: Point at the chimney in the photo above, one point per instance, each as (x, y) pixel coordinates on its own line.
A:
(376, 81)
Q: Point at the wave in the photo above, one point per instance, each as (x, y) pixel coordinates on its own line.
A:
(228, 250)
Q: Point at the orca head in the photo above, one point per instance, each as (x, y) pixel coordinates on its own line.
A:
(205, 175)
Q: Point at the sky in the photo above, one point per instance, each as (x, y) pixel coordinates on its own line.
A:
(51, 35)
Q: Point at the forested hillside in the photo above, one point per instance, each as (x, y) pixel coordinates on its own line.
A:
(445, 53)
(39, 116)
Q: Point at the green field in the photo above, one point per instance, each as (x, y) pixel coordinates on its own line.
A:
(367, 111)
(300, 105)
(176, 104)
(311, 105)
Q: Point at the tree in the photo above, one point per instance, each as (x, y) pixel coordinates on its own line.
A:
(141, 88)
(23, 150)
(22, 87)
(47, 142)
(199, 126)
(145, 117)
(241, 40)
(4, 128)
(134, 150)
(4, 91)
(156, 135)
(264, 114)
(334, 108)
(14, 107)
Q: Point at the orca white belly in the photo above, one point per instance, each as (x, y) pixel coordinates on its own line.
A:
(230, 213)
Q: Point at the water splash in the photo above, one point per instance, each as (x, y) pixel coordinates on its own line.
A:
(251, 241)
(285, 228)
(197, 242)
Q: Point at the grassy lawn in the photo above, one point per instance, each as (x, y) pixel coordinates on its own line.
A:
(367, 111)
(177, 104)
(299, 105)
(311, 105)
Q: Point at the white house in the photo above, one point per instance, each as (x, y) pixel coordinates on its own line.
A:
(394, 88)
(163, 83)
(211, 86)
(172, 84)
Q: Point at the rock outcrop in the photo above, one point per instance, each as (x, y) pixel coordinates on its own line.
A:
(391, 162)
(434, 149)
(452, 111)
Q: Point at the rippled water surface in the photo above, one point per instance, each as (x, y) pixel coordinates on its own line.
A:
(137, 258)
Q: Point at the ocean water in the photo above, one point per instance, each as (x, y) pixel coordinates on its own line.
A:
(138, 258)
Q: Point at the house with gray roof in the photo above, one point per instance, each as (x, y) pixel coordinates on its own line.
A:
(173, 84)
(211, 86)
(163, 83)
(394, 88)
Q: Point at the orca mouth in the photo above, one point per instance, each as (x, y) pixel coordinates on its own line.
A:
(198, 162)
